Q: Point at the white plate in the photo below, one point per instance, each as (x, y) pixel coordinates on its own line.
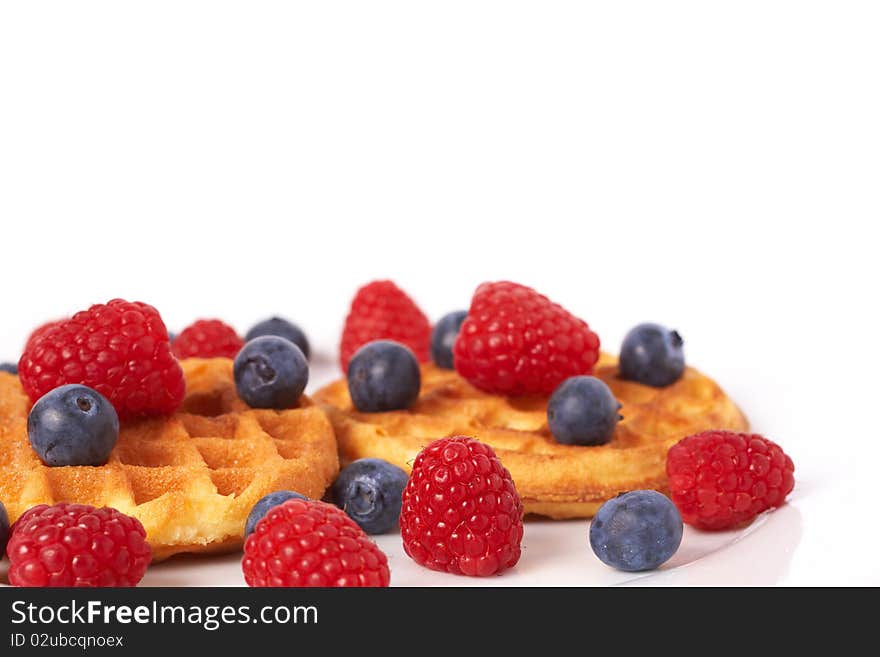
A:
(558, 554)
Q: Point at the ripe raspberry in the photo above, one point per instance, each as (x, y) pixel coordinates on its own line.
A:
(77, 545)
(461, 513)
(311, 543)
(515, 341)
(119, 348)
(382, 311)
(720, 479)
(207, 338)
(40, 330)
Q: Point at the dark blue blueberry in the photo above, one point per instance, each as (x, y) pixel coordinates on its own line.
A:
(261, 508)
(636, 531)
(73, 425)
(370, 491)
(653, 355)
(171, 336)
(583, 411)
(443, 337)
(270, 372)
(4, 529)
(383, 376)
(12, 368)
(283, 329)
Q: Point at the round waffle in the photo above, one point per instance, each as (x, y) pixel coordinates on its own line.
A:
(559, 481)
(191, 478)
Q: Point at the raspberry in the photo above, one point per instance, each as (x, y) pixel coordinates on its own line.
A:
(207, 338)
(461, 513)
(515, 341)
(382, 311)
(721, 479)
(77, 545)
(40, 330)
(120, 349)
(311, 543)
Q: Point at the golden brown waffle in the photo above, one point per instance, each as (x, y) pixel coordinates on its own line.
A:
(190, 478)
(559, 481)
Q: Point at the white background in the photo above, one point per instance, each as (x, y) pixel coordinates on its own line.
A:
(712, 166)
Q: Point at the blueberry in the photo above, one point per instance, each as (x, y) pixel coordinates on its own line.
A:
(636, 531)
(283, 329)
(370, 492)
(270, 372)
(12, 368)
(583, 411)
(443, 337)
(264, 504)
(653, 355)
(172, 336)
(4, 529)
(73, 425)
(383, 376)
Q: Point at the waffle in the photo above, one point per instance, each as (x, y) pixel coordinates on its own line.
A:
(190, 478)
(554, 480)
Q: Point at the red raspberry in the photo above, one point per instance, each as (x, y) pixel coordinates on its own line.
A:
(27, 514)
(312, 543)
(77, 545)
(721, 479)
(515, 341)
(40, 330)
(207, 338)
(382, 311)
(461, 513)
(119, 348)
